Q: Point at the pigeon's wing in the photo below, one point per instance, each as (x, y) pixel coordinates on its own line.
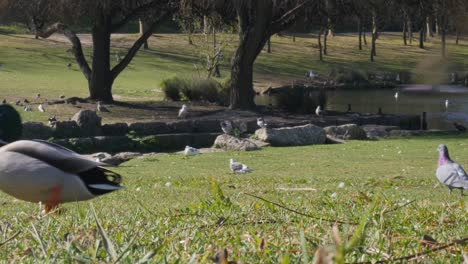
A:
(236, 166)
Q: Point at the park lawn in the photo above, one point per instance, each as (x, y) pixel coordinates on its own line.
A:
(40, 66)
(183, 210)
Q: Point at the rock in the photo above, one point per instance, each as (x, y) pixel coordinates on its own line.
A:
(185, 126)
(292, 136)
(120, 158)
(334, 140)
(66, 129)
(117, 129)
(89, 122)
(150, 128)
(36, 130)
(347, 132)
(376, 131)
(228, 142)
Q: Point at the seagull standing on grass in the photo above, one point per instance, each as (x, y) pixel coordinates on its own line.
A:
(183, 111)
(27, 108)
(39, 171)
(261, 122)
(238, 167)
(450, 173)
(189, 151)
(41, 108)
(226, 126)
(101, 108)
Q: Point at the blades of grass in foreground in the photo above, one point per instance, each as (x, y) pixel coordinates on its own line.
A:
(151, 254)
(107, 243)
(300, 213)
(39, 239)
(9, 239)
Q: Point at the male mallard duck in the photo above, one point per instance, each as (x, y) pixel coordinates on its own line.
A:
(39, 171)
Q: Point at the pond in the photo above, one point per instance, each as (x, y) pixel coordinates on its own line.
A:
(412, 99)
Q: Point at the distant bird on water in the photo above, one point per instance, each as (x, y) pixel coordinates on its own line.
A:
(189, 151)
(447, 103)
(318, 111)
(226, 126)
(459, 127)
(41, 108)
(396, 96)
(261, 122)
(183, 111)
(101, 108)
(450, 173)
(238, 167)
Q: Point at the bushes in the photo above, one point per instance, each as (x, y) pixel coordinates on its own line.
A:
(301, 100)
(207, 90)
(346, 75)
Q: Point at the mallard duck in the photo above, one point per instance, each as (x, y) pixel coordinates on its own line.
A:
(39, 171)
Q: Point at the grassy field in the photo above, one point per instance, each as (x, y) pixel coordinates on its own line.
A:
(40, 66)
(184, 210)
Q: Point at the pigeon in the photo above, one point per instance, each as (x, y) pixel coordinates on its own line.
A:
(100, 157)
(183, 111)
(450, 173)
(101, 108)
(52, 121)
(27, 108)
(459, 127)
(26, 101)
(318, 111)
(446, 104)
(396, 96)
(226, 126)
(18, 102)
(41, 108)
(261, 122)
(189, 151)
(238, 167)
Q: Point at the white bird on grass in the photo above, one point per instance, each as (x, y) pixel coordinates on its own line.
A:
(189, 151)
(183, 111)
(102, 108)
(39, 171)
(238, 167)
(261, 122)
(41, 108)
(27, 108)
(226, 126)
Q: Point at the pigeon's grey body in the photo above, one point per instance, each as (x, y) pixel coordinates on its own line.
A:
(238, 167)
(226, 126)
(449, 172)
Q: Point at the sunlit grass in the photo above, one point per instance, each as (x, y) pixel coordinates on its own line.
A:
(184, 209)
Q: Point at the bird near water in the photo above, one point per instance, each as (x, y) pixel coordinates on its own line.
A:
(450, 173)
(183, 112)
(39, 171)
(261, 122)
(190, 151)
(101, 107)
(396, 96)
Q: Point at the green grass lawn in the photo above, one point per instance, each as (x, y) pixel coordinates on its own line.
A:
(185, 209)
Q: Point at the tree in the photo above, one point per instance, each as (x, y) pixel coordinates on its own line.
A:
(258, 21)
(104, 17)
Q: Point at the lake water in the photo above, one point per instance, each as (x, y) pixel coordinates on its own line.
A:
(412, 99)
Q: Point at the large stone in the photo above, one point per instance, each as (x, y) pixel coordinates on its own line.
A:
(36, 130)
(117, 129)
(292, 136)
(120, 158)
(376, 131)
(67, 129)
(150, 128)
(89, 122)
(347, 132)
(228, 142)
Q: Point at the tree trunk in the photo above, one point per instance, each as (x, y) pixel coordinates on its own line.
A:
(410, 31)
(364, 37)
(242, 93)
(428, 28)
(206, 27)
(217, 72)
(269, 45)
(360, 33)
(374, 38)
(319, 39)
(457, 36)
(325, 36)
(421, 38)
(405, 32)
(142, 31)
(436, 26)
(443, 42)
(101, 80)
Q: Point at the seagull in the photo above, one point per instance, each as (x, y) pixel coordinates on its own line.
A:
(27, 108)
(396, 96)
(117, 57)
(450, 173)
(226, 126)
(18, 102)
(459, 127)
(41, 108)
(446, 104)
(39, 171)
(189, 151)
(318, 111)
(52, 121)
(183, 111)
(238, 167)
(100, 157)
(101, 108)
(311, 74)
(26, 101)
(261, 122)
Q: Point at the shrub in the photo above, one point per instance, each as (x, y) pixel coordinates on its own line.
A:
(173, 87)
(202, 90)
(345, 75)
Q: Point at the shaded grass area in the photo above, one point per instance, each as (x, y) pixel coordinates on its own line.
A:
(184, 209)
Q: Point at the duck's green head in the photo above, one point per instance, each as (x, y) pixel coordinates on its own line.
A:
(11, 127)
